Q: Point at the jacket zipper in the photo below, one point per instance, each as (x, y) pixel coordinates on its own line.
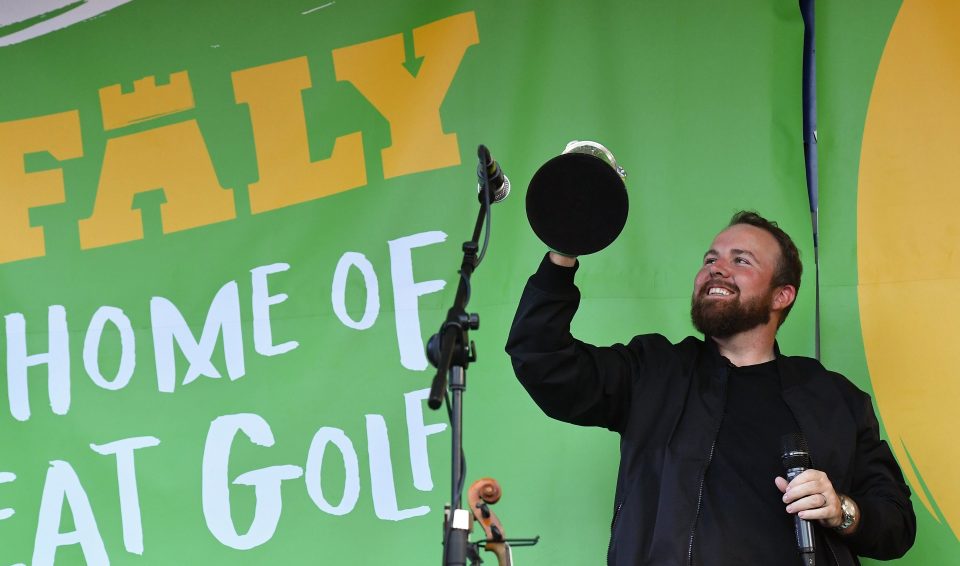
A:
(613, 526)
(696, 517)
(703, 475)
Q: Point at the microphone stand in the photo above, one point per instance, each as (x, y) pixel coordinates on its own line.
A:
(451, 351)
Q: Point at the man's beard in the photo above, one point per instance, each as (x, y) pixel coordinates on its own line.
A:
(725, 318)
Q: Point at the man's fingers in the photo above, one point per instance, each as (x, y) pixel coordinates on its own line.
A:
(808, 476)
(796, 492)
(811, 496)
(804, 503)
(819, 513)
(809, 503)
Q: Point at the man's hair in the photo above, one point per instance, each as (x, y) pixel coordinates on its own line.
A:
(789, 267)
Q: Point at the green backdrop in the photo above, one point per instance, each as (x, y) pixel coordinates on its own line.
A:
(214, 311)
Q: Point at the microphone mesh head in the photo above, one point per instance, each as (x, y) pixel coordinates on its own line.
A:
(498, 193)
(502, 192)
(794, 452)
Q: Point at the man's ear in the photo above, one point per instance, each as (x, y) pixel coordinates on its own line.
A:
(783, 297)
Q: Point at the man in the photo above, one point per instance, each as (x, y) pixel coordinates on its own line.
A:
(700, 479)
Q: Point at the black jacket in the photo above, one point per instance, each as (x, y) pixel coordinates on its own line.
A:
(666, 401)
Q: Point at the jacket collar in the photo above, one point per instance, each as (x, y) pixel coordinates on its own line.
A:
(716, 361)
(711, 360)
(818, 411)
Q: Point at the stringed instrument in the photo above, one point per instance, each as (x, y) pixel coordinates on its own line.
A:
(483, 493)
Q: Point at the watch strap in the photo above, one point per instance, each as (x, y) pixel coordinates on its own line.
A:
(847, 514)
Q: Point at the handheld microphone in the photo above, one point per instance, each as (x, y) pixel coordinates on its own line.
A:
(795, 456)
(489, 169)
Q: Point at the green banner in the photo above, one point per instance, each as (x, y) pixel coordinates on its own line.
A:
(227, 230)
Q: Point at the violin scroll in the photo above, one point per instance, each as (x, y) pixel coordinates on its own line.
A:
(483, 493)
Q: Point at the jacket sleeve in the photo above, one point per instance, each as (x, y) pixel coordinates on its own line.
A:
(888, 525)
(570, 380)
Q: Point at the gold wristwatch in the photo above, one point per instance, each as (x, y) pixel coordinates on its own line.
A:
(848, 514)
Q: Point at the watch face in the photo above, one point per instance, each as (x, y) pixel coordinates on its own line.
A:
(847, 509)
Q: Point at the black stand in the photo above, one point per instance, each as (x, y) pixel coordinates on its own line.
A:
(451, 351)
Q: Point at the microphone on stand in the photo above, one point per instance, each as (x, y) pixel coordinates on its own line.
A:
(795, 456)
(499, 183)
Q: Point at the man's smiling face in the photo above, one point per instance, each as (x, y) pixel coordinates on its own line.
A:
(732, 291)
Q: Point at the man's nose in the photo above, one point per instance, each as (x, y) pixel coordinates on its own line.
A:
(718, 269)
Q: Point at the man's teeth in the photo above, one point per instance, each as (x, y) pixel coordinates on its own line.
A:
(718, 291)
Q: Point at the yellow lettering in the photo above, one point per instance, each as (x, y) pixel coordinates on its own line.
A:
(147, 100)
(411, 104)
(287, 176)
(20, 191)
(173, 158)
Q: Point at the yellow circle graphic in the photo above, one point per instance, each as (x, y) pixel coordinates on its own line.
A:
(908, 248)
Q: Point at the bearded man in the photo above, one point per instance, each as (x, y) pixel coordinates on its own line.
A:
(701, 421)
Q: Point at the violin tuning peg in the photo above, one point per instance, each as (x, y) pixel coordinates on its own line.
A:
(497, 535)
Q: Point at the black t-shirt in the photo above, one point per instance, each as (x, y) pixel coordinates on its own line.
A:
(743, 520)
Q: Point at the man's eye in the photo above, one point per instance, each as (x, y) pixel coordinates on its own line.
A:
(742, 260)
(709, 260)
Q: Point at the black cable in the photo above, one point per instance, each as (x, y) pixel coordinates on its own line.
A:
(461, 481)
(486, 205)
